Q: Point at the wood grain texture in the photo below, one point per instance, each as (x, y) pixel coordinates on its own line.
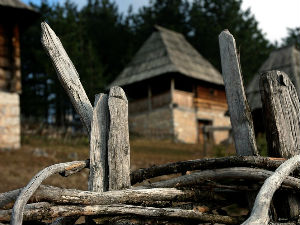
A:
(27, 192)
(67, 75)
(118, 142)
(205, 164)
(260, 211)
(201, 177)
(98, 178)
(281, 113)
(117, 210)
(127, 196)
(281, 109)
(240, 115)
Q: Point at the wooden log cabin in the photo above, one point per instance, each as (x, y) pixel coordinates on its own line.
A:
(173, 92)
(14, 17)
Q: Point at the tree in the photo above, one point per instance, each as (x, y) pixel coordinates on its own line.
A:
(172, 14)
(209, 17)
(293, 37)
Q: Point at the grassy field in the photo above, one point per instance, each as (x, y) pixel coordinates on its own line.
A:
(19, 166)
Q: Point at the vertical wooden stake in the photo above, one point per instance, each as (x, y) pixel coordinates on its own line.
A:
(281, 109)
(118, 142)
(240, 115)
(98, 179)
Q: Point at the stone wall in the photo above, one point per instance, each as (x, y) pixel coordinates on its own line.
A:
(185, 125)
(9, 120)
(154, 124)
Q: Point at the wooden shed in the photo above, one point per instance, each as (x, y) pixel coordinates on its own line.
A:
(173, 92)
(14, 17)
(286, 59)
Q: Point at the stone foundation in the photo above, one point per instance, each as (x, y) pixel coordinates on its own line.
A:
(9, 121)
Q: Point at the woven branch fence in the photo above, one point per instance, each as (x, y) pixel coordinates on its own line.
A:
(204, 188)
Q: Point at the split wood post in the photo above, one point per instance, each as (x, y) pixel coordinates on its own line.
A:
(118, 141)
(240, 115)
(98, 179)
(281, 109)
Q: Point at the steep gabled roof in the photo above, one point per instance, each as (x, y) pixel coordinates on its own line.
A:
(166, 51)
(286, 59)
(15, 4)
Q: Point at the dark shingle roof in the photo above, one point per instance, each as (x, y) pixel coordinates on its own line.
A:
(15, 4)
(163, 52)
(286, 59)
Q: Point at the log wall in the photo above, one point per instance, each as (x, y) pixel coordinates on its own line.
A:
(10, 62)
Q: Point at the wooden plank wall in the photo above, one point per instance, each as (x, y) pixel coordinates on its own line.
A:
(208, 97)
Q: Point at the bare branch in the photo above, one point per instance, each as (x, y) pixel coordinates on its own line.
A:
(259, 214)
(128, 210)
(206, 164)
(27, 192)
(222, 174)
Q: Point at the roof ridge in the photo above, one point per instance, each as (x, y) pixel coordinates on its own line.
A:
(166, 30)
(166, 45)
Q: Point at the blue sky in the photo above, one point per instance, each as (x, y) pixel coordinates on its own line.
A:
(274, 16)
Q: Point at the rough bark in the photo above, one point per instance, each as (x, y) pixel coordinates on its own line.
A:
(205, 164)
(128, 196)
(118, 142)
(128, 210)
(222, 174)
(240, 115)
(98, 179)
(27, 192)
(259, 214)
(67, 75)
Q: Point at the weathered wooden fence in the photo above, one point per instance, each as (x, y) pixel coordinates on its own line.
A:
(205, 187)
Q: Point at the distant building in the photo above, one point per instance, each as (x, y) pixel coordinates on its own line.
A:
(14, 16)
(173, 91)
(285, 59)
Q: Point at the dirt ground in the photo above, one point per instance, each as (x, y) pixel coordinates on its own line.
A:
(19, 166)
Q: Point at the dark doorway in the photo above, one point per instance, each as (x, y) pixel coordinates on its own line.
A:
(204, 136)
